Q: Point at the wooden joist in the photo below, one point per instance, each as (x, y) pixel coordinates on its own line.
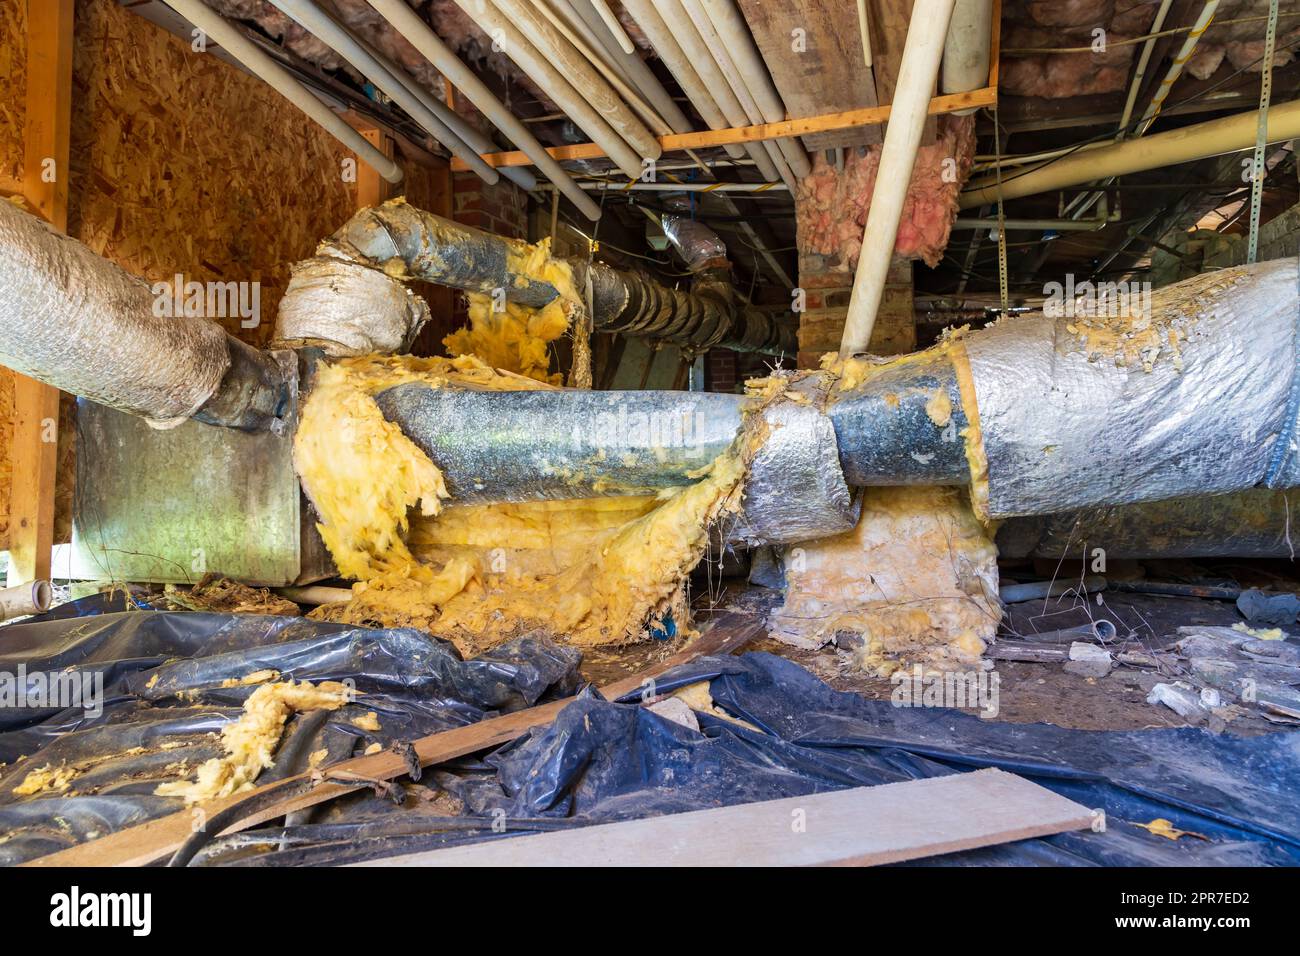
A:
(46, 138)
(848, 119)
(864, 826)
(158, 839)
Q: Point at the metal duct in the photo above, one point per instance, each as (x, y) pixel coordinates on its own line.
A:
(76, 321)
(438, 250)
(1247, 524)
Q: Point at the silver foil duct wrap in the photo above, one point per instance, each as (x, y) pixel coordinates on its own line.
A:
(796, 489)
(1199, 412)
(1255, 523)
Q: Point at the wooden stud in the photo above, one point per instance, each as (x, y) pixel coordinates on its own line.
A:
(950, 103)
(46, 137)
(373, 189)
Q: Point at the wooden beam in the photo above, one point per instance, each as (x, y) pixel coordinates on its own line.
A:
(373, 189)
(861, 826)
(158, 839)
(46, 136)
(986, 96)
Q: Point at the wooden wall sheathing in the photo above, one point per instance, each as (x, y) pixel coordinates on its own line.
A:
(180, 163)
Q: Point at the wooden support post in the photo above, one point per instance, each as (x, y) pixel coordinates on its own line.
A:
(373, 189)
(34, 450)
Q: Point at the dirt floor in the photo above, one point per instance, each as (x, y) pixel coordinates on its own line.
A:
(1029, 692)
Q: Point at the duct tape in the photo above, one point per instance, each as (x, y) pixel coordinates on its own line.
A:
(796, 489)
(1197, 413)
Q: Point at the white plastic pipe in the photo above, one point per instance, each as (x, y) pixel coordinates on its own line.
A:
(1184, 145)
(697, 50)
(543, 68)
(663, 39)
(24, 599)
(419, 34)
(1176, 68)
(316, 22)
(476, 140)
(734, 32)
(279, 79)
(966, 52)
(614, 26)
(633, 67)
(916, 77)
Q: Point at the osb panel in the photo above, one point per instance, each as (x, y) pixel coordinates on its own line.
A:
(180, 163)
(13, 111)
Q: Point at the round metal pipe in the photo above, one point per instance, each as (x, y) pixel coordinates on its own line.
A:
(418, 33)
(1212, 138)
(323, 28)
(544, 445)
(280, 80)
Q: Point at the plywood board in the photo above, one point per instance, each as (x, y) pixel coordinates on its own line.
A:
(819, 70)
(865, 826)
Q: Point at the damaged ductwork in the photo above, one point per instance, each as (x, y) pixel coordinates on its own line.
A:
(60, 298)
(399, 242)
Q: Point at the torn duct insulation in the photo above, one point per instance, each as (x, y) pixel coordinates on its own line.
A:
(831, 206)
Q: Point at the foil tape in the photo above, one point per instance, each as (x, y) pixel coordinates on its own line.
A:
(1063, 430)
(796, 489)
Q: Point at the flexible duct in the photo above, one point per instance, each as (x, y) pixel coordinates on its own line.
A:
(82, 324)
(345, 296)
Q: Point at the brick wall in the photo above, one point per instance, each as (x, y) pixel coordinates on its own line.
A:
(821, 324)
(502, 209)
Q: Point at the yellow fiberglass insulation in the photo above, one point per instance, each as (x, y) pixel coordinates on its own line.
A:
(591, 572)
(514, 337)
(917, 580)
(251, 741)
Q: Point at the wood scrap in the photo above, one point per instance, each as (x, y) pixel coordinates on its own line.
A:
(157, 839)
(862, 826)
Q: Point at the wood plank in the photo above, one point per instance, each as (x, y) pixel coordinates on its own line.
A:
(874, 115)
(889, 22)
(864, 826)
(33, 451)
(373, 189)
(827, 75)
(158, 839)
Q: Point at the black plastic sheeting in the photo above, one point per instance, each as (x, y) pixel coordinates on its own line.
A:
(599, 761)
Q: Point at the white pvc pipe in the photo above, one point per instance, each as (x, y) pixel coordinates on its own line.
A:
(279, 79)
(421, 36)
(734, 32)
(1176, 68)
(697, 50)
(664, 41)
(473, 138)
(316, 22)
(966, 51)
(1183, 145)
(543, 70)
(1140, 73)
(24, 599)
(614, 26)
(916, 77)
(634, 68)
